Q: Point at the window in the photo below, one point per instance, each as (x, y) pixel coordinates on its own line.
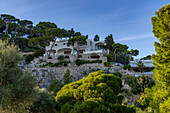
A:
(64, 43)
(67, 52)
(81, 51)
(55, 44)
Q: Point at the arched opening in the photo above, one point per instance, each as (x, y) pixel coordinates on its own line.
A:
(50, 58)
(94, 56)
(80, 56)
(67, 58)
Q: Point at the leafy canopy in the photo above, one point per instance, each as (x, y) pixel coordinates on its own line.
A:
(158, 97)
(96, 93)
(16, 86)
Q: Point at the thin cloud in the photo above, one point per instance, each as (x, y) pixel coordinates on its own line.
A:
(136, 37)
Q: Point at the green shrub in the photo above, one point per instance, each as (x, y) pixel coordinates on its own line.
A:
(55, 86)
(44, 102)
(97, 93)
(126, 67)
(107, 64)
(117, 74)
(80, 62)
(138, 84)
(60, 58)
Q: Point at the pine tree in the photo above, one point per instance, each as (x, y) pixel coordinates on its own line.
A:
(67, 78)
(158, 97)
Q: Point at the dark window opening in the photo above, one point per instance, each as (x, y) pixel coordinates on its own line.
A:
(67, 52)
(81, 51)
(49, 57)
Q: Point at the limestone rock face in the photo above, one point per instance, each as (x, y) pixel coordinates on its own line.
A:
(46, 75)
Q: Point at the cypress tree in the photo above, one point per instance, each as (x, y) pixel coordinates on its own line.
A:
(158, 98)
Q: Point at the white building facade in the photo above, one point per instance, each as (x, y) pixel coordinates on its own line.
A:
(90, 51)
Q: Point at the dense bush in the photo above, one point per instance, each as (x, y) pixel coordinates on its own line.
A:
(60, 58)
(97, 93)
(138, 84)
(30, 57)
(126, 67)
(117, 74)
(16, 86)
(57, 85)
(80, 62)
(107, 64)
(44, 102)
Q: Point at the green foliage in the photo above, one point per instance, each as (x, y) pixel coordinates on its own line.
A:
(127, 67)
(16, 86)
(44, 102)
(7, 19)
(109, 41)
(117, 74)
(30, 57)
(148, 57)
(80, 62)
(71, 33)
(67, 78)
(96, 93)
(118, 48)
(138, 84)
(158, 97)
(122, 109)
(61, 57)
(55, 86)
(96, 38)
(140, 65)
(107, 64)
(23, 45)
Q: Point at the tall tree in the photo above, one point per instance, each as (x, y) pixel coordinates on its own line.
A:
(76, 41)
(25, 28)
(2, 26)
(67, 78)
(96, 38)
(132, 52)
(118, 48)
(7, 19)
(109, 41)
(39, 29)
(158, 97)
(77, 34)
(16, 86)
(53, 33)
(71, 33)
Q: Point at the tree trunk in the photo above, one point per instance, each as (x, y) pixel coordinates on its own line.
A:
(6, 30)
(78, 50)
(115, 54)
(130, 59)
(51, 48)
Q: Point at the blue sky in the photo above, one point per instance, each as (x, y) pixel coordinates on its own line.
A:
(128, 20)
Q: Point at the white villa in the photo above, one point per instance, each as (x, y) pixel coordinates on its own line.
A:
(90, 51)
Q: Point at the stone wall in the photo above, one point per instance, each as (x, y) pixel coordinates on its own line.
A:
(46, 75)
